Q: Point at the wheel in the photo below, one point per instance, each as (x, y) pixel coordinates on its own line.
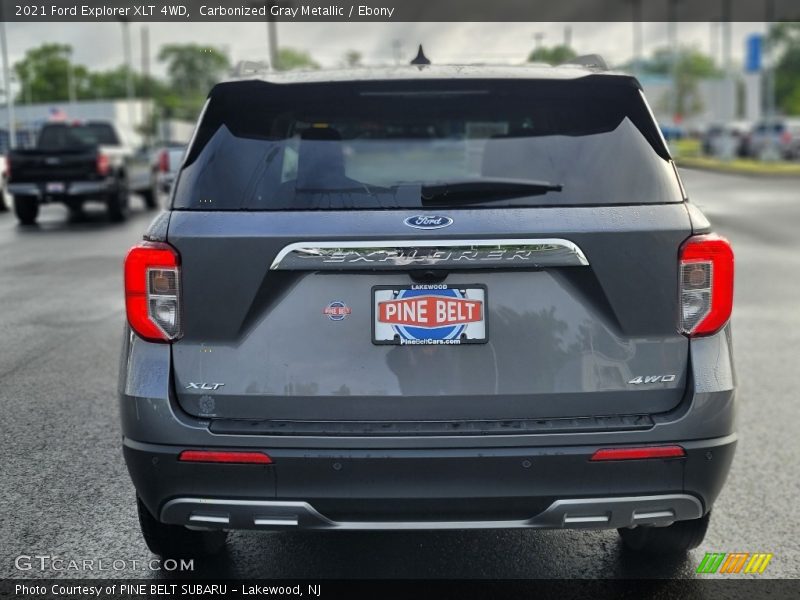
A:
(117, 203)
(176, 541)
(3, 205)
(681, 536)
(150, 197)
(27, 209)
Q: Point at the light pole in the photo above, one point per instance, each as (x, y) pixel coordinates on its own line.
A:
(126, 48)
(636, 21)
(674, 51)
(272, 32)
(12, 131)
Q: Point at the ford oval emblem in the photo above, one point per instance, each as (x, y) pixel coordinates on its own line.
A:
(428, 221)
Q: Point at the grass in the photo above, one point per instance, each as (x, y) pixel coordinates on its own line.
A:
(688, 154)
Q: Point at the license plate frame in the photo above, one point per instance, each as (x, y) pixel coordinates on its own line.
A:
(55, 187)
(442, 335)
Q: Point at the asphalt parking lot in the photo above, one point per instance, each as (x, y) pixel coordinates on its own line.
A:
(64, 489)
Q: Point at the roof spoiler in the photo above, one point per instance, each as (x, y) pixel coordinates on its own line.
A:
(590, 61)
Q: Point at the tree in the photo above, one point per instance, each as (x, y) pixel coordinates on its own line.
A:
(554, 56)
(45, 73)
(786, 40)
(290, 59)
(688, 67)
(352, 58)
(193, 70)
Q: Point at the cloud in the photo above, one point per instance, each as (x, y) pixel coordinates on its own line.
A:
(99, 45)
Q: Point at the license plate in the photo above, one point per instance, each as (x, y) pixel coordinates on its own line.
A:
(435, 314)
(55, 187)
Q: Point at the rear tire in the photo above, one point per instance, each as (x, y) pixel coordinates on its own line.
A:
(3, 205)
(117, 203)
(679, 537)
(27, 209)
(176, 541)
(150, 197)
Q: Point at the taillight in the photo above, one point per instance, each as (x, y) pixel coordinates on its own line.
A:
(223, 456)
(786, 137)
(163, 162)
(639, 453)
(103, 164)
(706, 284)
(152, 291)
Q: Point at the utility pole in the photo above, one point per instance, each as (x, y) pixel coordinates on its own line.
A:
(567, 36)
(727, 60)
(397, 51)
(126, 48)
(636, 21)
(538, 37)
(672, 34)
(71, 81)
(146, 117)
(769, 44)
(272, 31)
(12, 131)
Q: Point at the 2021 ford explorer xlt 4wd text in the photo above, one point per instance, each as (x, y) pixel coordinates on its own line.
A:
(428, 298)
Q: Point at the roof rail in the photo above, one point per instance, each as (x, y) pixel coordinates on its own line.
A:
(591, 61)
(249, 68)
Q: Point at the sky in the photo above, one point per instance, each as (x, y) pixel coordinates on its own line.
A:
(99, 45)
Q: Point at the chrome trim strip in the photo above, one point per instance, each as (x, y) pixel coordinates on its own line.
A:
(602, 513)
(282, 522)
(208, 519)
(457, 253)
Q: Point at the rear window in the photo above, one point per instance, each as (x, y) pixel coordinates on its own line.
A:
(383, 145)
(65, 137)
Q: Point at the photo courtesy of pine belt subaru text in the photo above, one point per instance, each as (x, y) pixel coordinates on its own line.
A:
(428, 298)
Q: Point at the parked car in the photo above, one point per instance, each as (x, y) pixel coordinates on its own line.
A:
(74, 163)
(780, 135)
(732, 138)
(338, 327)
(166, 162)
(3, 182)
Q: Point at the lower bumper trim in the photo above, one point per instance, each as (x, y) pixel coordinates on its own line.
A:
(597, 513)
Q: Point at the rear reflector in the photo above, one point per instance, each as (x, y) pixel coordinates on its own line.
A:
(706, 284)
(152, 291)
(638, 453)
(214, 456)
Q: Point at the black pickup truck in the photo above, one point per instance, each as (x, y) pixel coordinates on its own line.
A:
(73, 163)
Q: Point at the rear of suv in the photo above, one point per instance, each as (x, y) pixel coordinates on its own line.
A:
(428, 298)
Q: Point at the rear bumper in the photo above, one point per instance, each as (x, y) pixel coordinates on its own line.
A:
(72, 189)
(432, 488)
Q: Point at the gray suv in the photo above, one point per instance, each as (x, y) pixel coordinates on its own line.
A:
(428, 298)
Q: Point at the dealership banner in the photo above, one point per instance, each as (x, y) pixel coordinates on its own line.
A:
(619, 589)
(398, 10)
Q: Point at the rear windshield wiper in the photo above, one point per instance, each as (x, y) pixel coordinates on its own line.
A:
(484, 190)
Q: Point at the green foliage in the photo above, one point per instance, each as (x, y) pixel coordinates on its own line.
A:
(352, 58)
(688, 67)
(691, 63)
(786, 38)
(44, 73)
(290, 59)
(554, 56)
(193, 70)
